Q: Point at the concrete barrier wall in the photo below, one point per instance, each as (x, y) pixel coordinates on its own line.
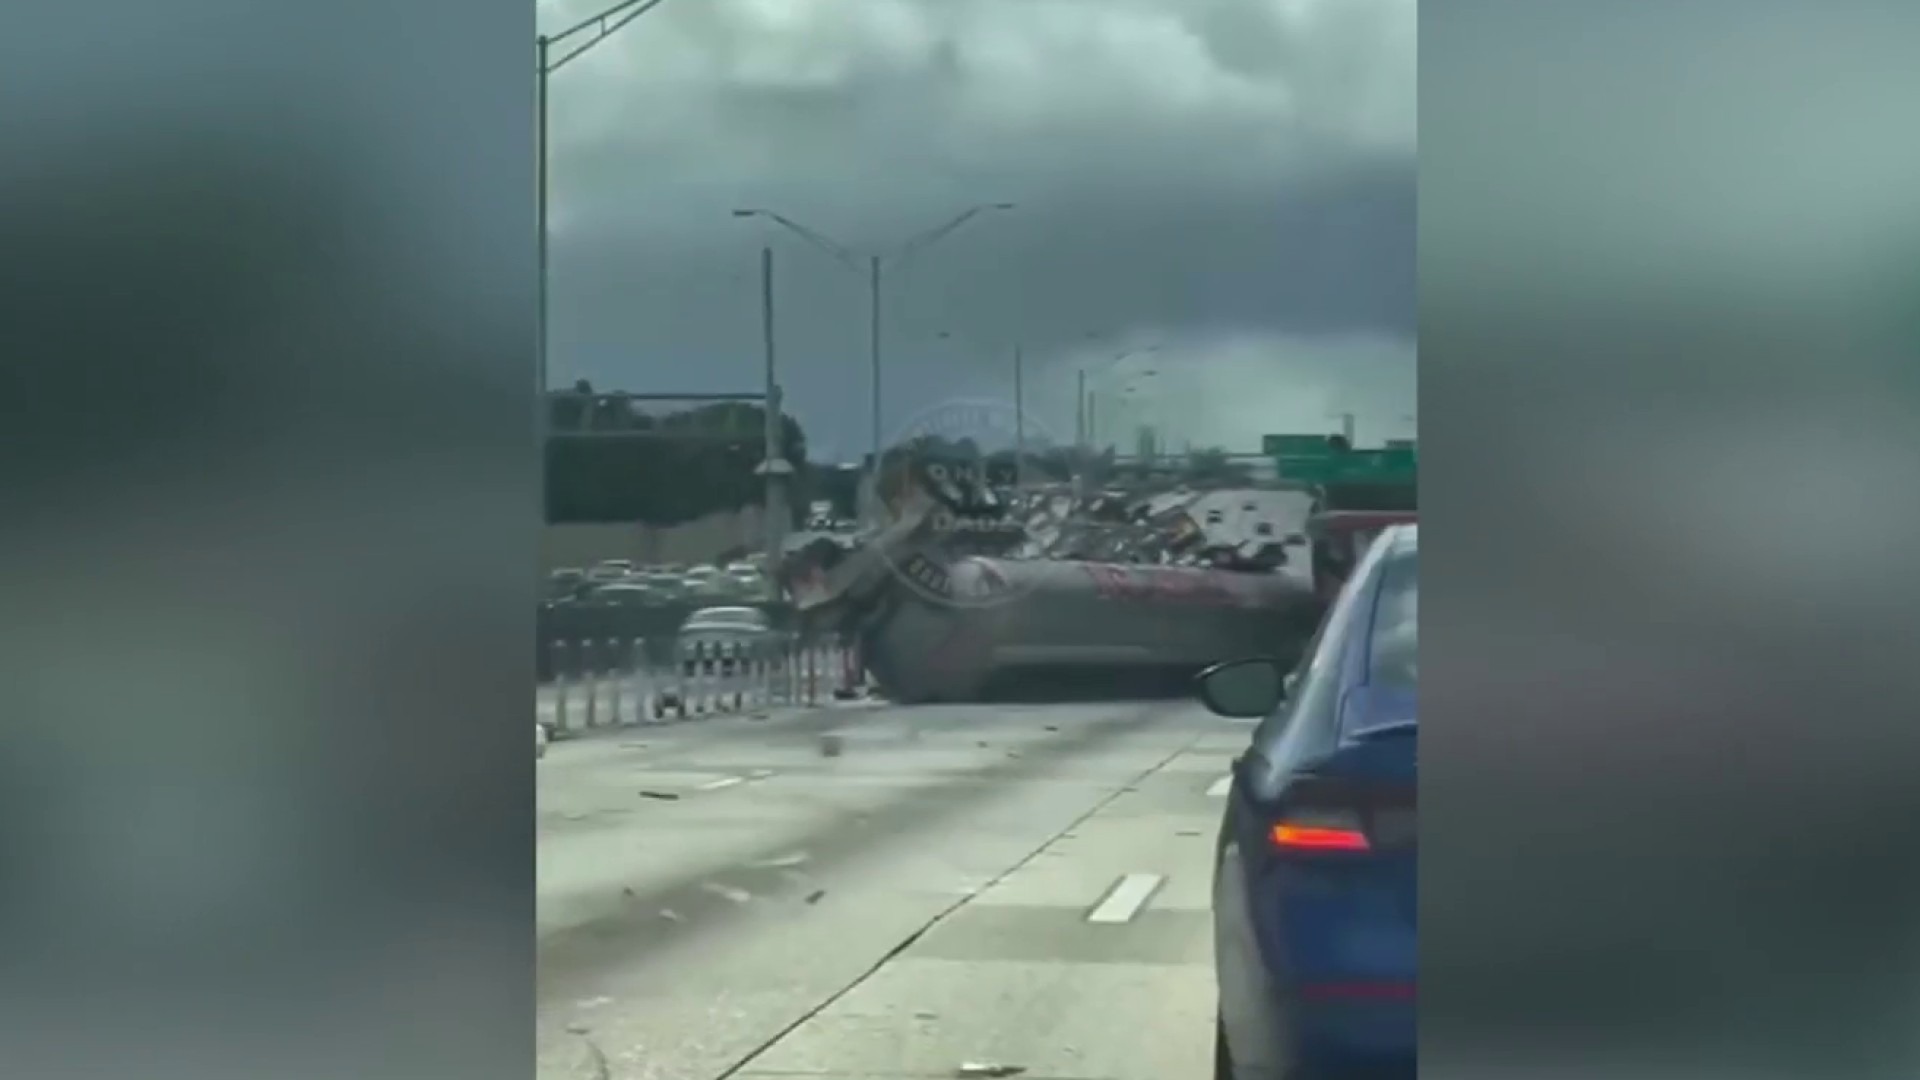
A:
(692, 543)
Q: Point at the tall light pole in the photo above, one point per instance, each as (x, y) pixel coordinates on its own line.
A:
(1019, 411)
(1086, 407)
(872, 266)
(774, 463)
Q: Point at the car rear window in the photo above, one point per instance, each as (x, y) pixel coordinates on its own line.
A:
(1394, 651)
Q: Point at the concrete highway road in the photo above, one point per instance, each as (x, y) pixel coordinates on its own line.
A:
(965, 885)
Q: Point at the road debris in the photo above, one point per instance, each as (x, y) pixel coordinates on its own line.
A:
(665, 796)
(728, 892)
(976, 1069)
(814, 896)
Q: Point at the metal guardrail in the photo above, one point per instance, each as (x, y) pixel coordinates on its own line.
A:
(626, 682)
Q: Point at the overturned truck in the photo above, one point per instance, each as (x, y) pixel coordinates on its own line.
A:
(949, 602)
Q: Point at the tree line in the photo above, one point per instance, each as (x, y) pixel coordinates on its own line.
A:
(608, 462)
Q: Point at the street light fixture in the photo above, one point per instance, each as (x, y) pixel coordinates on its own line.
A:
(1085, 396)
(871, 266)
(604, 25)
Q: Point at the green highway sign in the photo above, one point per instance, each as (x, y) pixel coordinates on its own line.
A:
(1317, 459)
(1297, 446)
(1394, 465)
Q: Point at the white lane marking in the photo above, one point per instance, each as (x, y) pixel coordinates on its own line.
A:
(738, 896)
(1125, 899)
(723, 782)
(1221, 786)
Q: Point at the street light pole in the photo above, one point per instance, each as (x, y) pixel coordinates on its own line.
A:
(544, 67)
(873, 338)
(1080, 410)
(540, 189)
(1019, 410)
(872, 267)
(774, 462)
(1085, 403)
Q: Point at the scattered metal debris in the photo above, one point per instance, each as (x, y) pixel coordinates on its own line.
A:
(666, 796)
(976, 1069)
(738, 896)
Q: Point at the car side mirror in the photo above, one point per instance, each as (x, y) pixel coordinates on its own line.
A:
(1243, 689)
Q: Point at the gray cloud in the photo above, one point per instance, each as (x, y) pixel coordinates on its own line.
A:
(1231, 179)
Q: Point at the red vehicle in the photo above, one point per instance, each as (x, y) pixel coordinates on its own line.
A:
(1345, 519)
(1340, 537)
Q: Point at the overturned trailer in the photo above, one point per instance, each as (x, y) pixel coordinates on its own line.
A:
(941, 613)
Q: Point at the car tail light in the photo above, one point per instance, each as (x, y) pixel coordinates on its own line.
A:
(1319, 831)
(1330, 815)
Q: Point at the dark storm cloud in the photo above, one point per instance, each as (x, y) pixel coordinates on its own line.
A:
(1207, 174)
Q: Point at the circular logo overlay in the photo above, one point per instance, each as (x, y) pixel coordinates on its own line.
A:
(945, 463)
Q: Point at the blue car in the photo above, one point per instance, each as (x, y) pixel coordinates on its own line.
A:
(1315, 876)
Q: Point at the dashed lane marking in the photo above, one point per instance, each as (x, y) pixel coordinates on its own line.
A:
(1126, 898)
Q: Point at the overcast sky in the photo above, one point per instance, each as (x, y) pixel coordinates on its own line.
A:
(1232, 181)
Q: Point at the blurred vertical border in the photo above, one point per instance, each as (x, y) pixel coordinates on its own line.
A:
(1671, 455)
(270, 540)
